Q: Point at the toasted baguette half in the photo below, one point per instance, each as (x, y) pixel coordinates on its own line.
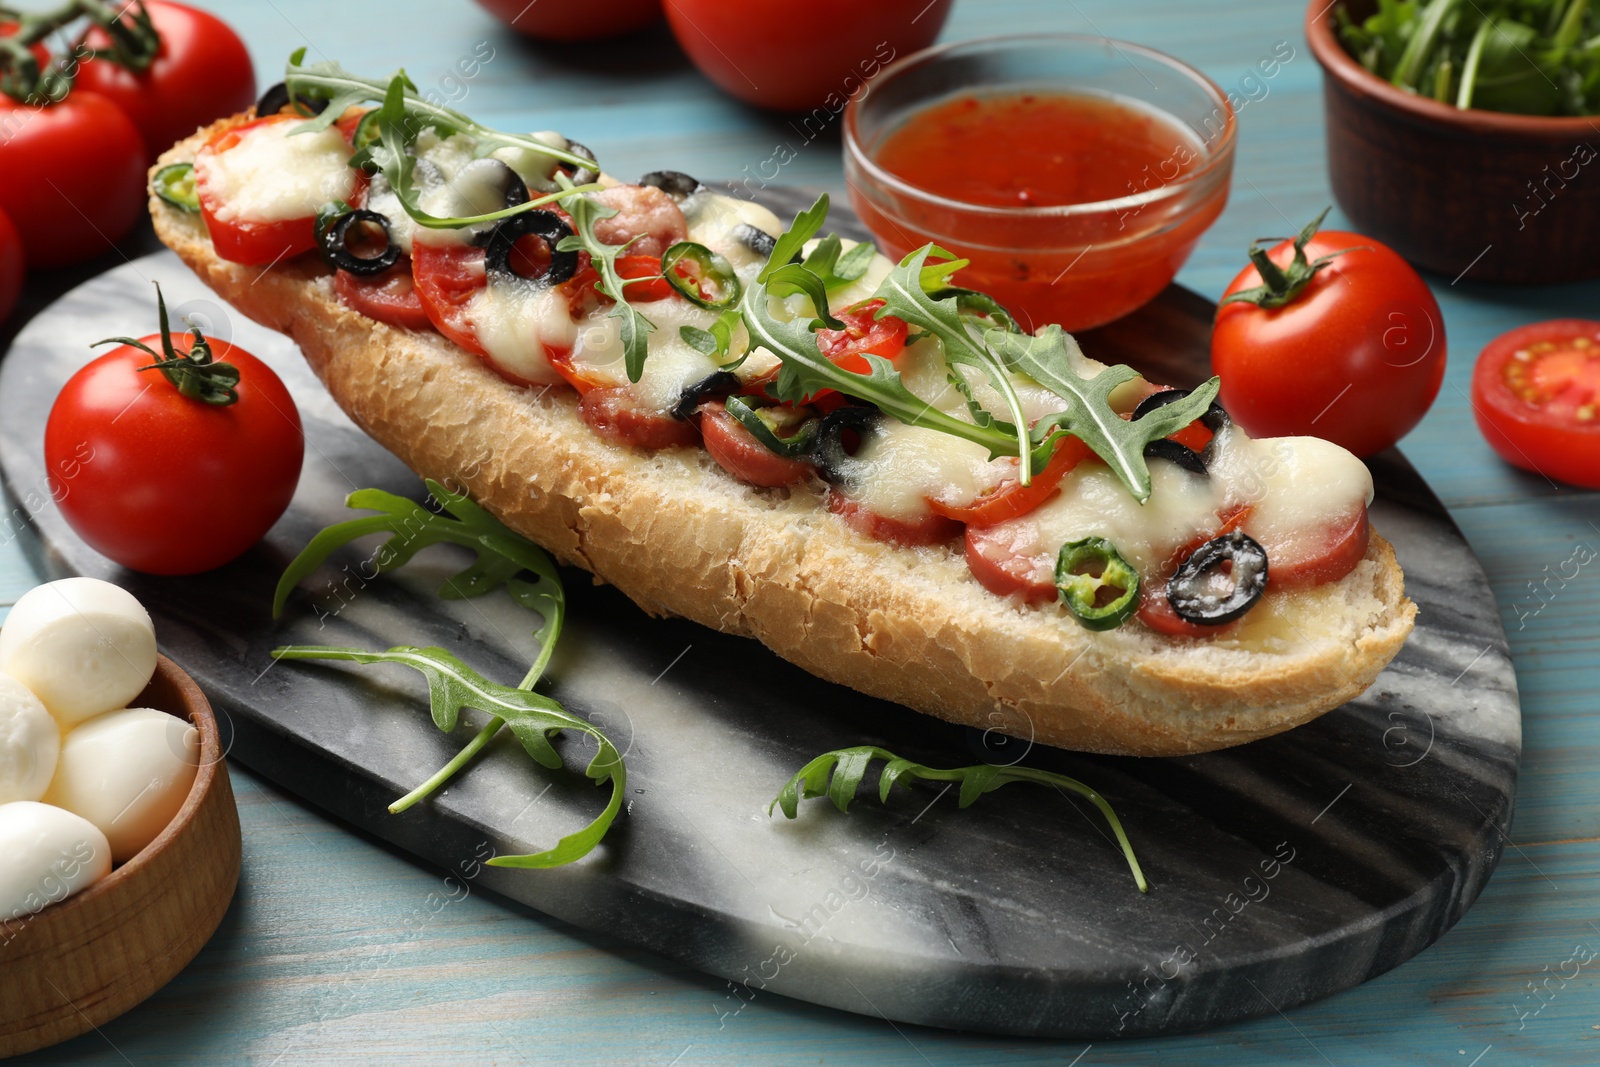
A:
(680, 537)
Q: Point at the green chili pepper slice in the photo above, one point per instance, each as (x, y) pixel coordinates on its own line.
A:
(366, 133)
(174, 184)
(764, 427)
(701, 276)
(1097, 585)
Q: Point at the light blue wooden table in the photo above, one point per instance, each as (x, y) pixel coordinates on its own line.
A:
(336, 948)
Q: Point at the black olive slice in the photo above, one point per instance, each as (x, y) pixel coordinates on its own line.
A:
(336, 244)
(755, 239)
(718, 383)
(1214, 419)
(581, 175)
(545, 225)
(832, 455)
(675, 183)
(1190, 592)
(276, 98)
(1181, 454)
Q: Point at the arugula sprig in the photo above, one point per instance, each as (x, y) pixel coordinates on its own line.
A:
(533, 718)
(502, 555)
(920, 293)
(838, 774)
(402, 115)
(634, 329)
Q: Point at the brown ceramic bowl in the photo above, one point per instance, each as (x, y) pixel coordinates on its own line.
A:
(88, 959)
(1515, 198)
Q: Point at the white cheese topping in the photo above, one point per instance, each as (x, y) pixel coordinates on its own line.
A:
(274, 174)
(515, 324)
(899, 467)
(1094, 503)
(673, 365)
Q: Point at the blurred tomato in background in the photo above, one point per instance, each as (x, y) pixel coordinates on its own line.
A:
(574, 20)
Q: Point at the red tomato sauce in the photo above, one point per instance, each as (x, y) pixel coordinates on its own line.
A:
(1042, 150)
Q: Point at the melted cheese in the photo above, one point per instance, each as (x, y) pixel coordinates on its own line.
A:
(1093, 502)
(900, 467)
(515, 324)
(713, 219)
(274, 174)
(1296, 487)
(673, 365)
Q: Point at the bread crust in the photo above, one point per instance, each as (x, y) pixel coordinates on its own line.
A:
(680, 537)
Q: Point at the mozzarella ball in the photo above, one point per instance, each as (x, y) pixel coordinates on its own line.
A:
(50, 854)
(82, 645)
(127, 772)
(30, 741)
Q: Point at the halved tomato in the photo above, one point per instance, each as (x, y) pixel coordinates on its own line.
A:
(447, 277)
(1536, 396)
(848, 348)
(641, 267)
(390, 297)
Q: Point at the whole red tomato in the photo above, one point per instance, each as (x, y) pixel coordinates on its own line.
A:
(168, 483)
(10, 266)
(72, 176)
(776, 55)
(1352, 348)
(574, 20)
(201, 73)
(1536, 396)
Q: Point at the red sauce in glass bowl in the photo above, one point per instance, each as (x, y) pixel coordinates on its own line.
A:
(987, 169)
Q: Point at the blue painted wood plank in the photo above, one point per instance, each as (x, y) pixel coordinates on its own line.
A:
(341, 950)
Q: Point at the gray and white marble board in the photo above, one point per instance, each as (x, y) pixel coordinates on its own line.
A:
(1281, 871)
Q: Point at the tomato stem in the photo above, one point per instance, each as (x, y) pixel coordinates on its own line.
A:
(1281, 286)
(133, 37)
(196, 374)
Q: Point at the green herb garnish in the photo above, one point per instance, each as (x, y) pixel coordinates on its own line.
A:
(837, 267)
(838, 774)
(634, 328)
(1531, 57)
(502, 556)
(402, 115)
(1052, 359)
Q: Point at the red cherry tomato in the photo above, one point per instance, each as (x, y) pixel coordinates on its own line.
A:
(165, 484)
(614, 413)
(201, 73)
(573, 20)
(760, 52)
(1356, 358)
(11, 268)
(1536, 392)
(1012, 498)
(72, 177)
(390, 297)
(250, 241)
(737, 451)
(930, 529)
(848, 348)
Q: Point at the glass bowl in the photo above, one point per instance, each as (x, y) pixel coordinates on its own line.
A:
(1079, 265)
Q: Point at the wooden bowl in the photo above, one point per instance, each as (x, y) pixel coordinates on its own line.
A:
(1515, 198)
(88, 959)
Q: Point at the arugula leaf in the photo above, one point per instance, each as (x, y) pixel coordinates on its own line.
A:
(634, 329)
(804, 370)
(793, 240)
(327, 80)
(1052, 359)
(904, 293)
(716, 341)
(837, 267)
(838, 774)
(533, 718)
(398, 132)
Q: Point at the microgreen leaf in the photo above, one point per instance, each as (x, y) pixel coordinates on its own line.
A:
(534, 719)
(837, 267)
(853, 263)
(838, 774)
(1053, 359)
(793, 241)
(634, 329)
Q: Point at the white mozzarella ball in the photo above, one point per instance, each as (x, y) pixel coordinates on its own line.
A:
(127, 772)
(49, 855)
(30, 741)
(82, 645)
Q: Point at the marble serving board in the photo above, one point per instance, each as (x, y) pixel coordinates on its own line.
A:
(1281, 871)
